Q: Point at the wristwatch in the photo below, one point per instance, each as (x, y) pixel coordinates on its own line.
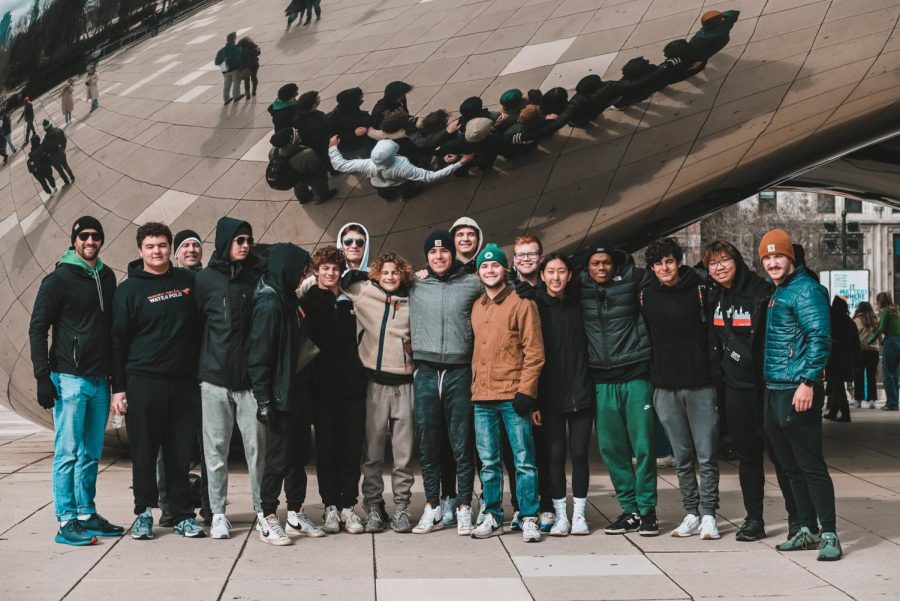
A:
(808, 382)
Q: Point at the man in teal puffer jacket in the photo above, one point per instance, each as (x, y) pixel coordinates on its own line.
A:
(797, 345)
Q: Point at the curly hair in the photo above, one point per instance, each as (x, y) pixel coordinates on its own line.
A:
(152, 229)
(660, 249)
(394, 121)
(434, 121)
(327, 254)
(391, 257)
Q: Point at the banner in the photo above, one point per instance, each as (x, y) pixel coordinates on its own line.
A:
(852, 284)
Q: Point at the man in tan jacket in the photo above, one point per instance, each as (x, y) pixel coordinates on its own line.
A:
(506, 366)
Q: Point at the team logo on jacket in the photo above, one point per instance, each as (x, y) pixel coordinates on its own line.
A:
(168, 294)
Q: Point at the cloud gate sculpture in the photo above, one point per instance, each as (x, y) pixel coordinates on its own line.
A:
(804, 94)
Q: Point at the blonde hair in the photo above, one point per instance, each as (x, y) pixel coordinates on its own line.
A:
(390, 257)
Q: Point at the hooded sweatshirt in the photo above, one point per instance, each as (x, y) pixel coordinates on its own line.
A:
(708, 41)
(387, 169)
(283, 113)
(155, 331)
(346, 117)
(469, 266)
(364, 264)
(394, 98)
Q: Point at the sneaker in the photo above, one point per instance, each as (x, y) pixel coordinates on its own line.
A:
(804, 540)
(448, 510)
(487, 528)
(708, 528)
(649, 524)
(351, 522)
(531, 532)
(627, 522)
(430, 521)
(221, 527)
(751, 530)
(547, 519)
(464, 521)
(560, 527)
(885, 408)
(871, 404)
(515, 524)
(667, 461)
(375, 519)
(829, 547)
(401, 523)
(689, 526)
(189, 528)
(580, 526)
(97, 525)
(480, 517)
(165, 519)
(142, 527)
(332, 520)
(270, 531)
(73, 533)
(299, 524)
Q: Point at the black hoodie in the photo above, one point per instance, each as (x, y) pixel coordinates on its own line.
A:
(565, 385)
(276, 332)
(223, 294)
(394, 98)
(155, 326)
(315, 132)
(344, 120)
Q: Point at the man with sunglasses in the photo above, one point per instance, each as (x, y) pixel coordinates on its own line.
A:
(353, 241)
(224, 293)
(75, 302)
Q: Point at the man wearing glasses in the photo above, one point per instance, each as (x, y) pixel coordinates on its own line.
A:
(75, 301)
(224, 293)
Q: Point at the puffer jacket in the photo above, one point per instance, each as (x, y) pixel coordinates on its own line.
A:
(386, 168)
(798, 332)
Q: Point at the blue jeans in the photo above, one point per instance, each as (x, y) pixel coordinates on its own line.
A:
(80, 417)
(488, 417)
(890, 362)
(444, 396)
(95, 104)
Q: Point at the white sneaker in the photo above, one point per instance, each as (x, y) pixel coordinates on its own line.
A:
(547, 519)
(431, 520)
(270, 531)
(464, 521)
(708, 528)
(689, 526)
(667, 461)
(351, 522)
(580, 526)
(299, 524)
(332, 520)
(871, 404)
(560, 526)
(487, 528)
(221, 527)
(479, 519)
(531, 533)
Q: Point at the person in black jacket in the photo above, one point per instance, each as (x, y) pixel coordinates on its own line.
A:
(223, 292)
(275, 347)
(394, 98)
(55, 148)
(313, 125)
(684, 396)
(155, 343)
(39, 166)
(736, 309)
(28, 116)
(565, 392)
(351, 124)
(249, 64)
(74, 303)
(284, 109)
(842, 362)
(338, 390)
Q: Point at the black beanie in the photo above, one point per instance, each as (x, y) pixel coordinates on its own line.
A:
(287, 91)
(440, 239)
(282, 138)
(86, 223)
(243, 229)
(183, 236)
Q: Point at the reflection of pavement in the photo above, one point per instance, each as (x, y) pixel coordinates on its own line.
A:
(443, 566)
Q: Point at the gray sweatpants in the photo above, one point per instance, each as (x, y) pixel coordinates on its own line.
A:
(220, 407)
(231, 85)
(692, 424)
(389, 414)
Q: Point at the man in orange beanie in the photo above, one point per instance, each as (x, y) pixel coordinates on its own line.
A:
(797, 345)
(715, 32)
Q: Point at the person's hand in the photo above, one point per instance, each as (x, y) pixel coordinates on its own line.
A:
(360, 131)
(552, 117)
(500, 119)
(536, 418)
(450, 158)
(453, 126)
(466, 159)
(334, 141)
(265, 414)
(118, 403)
(422, 274)
(407, 347)
(46, 392)
(523, 404)
(803, 398)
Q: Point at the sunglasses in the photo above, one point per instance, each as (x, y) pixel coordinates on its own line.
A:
(354, 241)
(84, 236)
(242, 240)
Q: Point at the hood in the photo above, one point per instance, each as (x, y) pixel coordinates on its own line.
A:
(70, 257)
(472, 107)
(226, 229)
(350, 100)
(364, 264)
(395, 90)
(743, 280)
(281, 104)
(136, 270)
(589, 84)
(384, 152)
(469, 222)
(287, 262)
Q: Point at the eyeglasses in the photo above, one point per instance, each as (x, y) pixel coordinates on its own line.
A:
(242, 240)
(720, 263)
(84, 236)
(526, 255)
(354, 241)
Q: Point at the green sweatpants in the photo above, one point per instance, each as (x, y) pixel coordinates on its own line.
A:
(626, 423)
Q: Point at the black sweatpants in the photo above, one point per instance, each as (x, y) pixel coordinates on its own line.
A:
(340, 431)
(161, 413)
(796, 439)
(838, 403)
(61, 164)
(287, 451)
(564, 434)
(864, 381)
(749, 443)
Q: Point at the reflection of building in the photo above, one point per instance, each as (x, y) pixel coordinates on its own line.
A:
(5, 28)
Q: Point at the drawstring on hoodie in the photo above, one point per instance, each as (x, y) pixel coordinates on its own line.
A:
(99, 289)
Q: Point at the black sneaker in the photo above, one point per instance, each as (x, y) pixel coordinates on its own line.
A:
(166, 520)
(74, 534)
(627, 522)
(751, 530)
(649, 525)
(97, 525)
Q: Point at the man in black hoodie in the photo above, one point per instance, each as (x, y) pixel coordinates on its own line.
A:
(223, 293)
(55, 147)
(394, 99)
(154, 351)
(313, 125)
(284, 109)
(351, 123)
(685, 399)
(75, 302)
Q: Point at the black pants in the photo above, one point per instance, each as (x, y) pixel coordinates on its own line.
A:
(307, 185)
(340, 430)
(161, 413)
(864, 380)
(749, 443)
(287, 451)
(46, 181)
(29, 131)
(406, 190)
(61, 164)
(796, 439)
(251, 82)
(564, 433)
(838, 403)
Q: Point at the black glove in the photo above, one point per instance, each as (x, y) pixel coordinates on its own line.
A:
(265, 413)
(524, 404)
(46, 392)
(525, 290)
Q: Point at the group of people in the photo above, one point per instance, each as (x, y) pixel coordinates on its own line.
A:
(474, 363)
(239, 62)
(48, 155)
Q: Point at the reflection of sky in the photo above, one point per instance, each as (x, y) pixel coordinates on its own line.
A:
(18, 8)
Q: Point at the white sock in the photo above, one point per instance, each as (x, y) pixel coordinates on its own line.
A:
(85, 516)
(559, 506)
(147, 512)
(579, 505)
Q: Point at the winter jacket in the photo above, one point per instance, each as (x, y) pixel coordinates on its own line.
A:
(845, 349)
(249, 54)
(394, 98)
(864, 335)
(302, 159)
(276, 332)
(509, 348)
(28, 112)
(346, 117)
(592, 97)
(155, 326)
(315, 131)
(7, 126)
(75, 302)
(66, 98)
(888, 325)
(798, 332)
(386, 168)
(283, 113)
(707, 42)
(565, 385)
(640, 80)
(55, 142)
(440, 316)
(223, 292)
(39, 162)
(230, 54)
(92, 83)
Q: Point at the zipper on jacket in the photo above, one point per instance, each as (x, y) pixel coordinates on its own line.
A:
(384, 320)
(225, 306)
